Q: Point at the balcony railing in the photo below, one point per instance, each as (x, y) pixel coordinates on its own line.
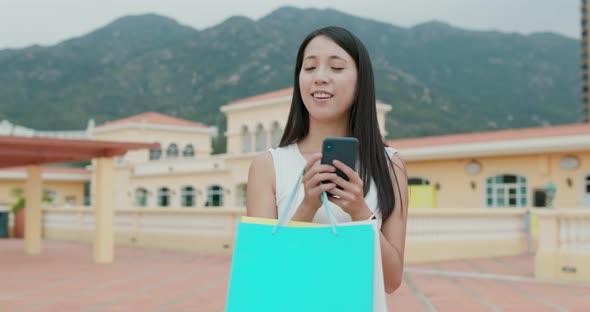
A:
(564, 245)
(432, 234)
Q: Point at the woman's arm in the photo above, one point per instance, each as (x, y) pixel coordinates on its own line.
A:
(393, 231)
(260, 193)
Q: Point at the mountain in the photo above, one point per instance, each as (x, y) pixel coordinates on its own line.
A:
(440, 79)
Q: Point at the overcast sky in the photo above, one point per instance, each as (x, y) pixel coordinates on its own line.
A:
(46, 22)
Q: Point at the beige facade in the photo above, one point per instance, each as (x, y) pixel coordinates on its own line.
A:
(61, 188)
(175, 180)
(462, 171)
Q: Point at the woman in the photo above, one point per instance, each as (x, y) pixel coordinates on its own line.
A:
(334, 96)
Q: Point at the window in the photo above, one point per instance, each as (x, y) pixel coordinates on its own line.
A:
(214, 196)
(141, 197)
(246, 140)
(119, 160)
(506, 190)
(172, 151)
(188, 151)
(260, 138)
(164, 197)
(187, 196)
(87, 201)
(70, 201)
(539, 198)
(276, 134)
(50, 196)
(241, 195)
(418, 181)
(155, 153)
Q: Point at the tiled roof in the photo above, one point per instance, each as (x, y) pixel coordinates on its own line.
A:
(46, 169)
(154, 119)
(265, 96)
(492, 136)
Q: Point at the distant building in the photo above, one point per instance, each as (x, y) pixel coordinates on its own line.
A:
(507, 168)
(9, 129)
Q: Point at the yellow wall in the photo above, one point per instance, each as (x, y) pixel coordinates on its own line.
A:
(63, 189)
(422, 196)
(455, 186)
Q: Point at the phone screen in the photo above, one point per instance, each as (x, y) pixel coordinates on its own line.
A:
(342, 149)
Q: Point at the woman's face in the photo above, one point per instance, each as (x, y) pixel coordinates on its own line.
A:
(327, 80)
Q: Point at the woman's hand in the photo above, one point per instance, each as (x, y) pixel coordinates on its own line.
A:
(351, 197)
(314, 173)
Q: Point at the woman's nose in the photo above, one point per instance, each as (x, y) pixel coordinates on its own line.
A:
(321, 77)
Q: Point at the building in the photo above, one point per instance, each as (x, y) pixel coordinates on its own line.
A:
(507, 168)
(184, 173)
(475, 190)
(62, 186)
(500, 169)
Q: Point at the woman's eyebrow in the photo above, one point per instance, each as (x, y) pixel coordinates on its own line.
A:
(333, 57)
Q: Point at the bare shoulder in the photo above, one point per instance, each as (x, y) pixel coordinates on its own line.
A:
(260, 193)
(263, 167)
(399, 176)
(398, 163)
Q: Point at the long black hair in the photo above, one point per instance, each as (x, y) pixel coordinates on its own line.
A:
(363, 123)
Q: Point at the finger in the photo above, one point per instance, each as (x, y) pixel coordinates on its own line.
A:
(319, 189)
(351, 174)
(310, 165)
(325, 187)
(312, 160)
(346, 185)
(338, 201)
(342, 194)
(316, 179)
(318, 169)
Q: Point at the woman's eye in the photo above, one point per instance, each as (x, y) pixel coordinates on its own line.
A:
(337, 68)
(309, 68)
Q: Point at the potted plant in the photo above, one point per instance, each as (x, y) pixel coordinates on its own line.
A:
(18, 210)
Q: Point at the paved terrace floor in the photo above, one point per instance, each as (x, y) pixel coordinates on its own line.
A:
(64, 278)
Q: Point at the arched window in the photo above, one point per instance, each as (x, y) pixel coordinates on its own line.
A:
(260, 138)
(155, 153)
(241, 195)
(214, 196)
(172, 151)
(418, 181)
(189, 151)
(246, 140)
(141, 197)
(276, 134)
(164, 197)
(187, 196)
(506, 190)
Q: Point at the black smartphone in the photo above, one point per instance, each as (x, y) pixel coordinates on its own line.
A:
(343, 149)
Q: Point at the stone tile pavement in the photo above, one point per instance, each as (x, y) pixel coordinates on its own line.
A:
(64, 278)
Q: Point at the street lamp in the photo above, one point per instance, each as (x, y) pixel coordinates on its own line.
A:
(550, 191)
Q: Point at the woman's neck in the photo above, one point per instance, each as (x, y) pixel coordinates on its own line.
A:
(318, 131)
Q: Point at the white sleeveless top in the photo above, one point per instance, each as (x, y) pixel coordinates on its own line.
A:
(288, 164)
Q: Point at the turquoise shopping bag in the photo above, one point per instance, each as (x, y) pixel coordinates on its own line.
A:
(285, 268)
